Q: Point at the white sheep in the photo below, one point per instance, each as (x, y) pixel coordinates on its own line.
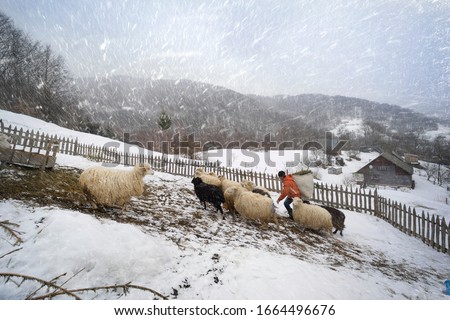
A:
(113, 187)
(225, 183)
(254, 206)
(311, 216)
(247, 184)
(229, 196)
(250, 186)
(229, 192)
(208, 178)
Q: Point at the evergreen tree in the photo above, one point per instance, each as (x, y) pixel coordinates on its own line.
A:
(164, 121)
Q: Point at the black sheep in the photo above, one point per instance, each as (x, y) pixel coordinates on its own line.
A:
(261, 192)
(209, 193)
(337, 218)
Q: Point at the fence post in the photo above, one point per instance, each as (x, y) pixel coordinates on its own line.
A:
(404, 220)
(415, 217)
(439, 245)
(390, 211)
(75, 148)
(409, 221)
(375, 203)
(444, 233)
(329, 194)
(423, 226)
(394, 213)
(364, 195)
(448, 238)
(433, 231)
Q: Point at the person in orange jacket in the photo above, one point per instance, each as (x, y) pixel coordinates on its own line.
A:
(290, 191)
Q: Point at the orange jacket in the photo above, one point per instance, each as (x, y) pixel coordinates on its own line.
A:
(290, 188)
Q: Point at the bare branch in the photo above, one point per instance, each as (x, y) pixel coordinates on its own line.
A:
(46, 283)
(37, 290)
(59, 290)
(124, 287)
(10, 252)
(6, 226)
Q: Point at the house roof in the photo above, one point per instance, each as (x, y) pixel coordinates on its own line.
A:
(395, 160)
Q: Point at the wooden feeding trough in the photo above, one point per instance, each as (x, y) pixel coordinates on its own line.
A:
(28, 151)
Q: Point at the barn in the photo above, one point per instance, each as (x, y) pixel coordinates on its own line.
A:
(387, 170)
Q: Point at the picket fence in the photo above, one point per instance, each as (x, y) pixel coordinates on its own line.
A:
(433, 230)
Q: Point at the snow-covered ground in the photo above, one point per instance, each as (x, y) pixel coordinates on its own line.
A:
(354, 126)
(441, 131)
(180, 250)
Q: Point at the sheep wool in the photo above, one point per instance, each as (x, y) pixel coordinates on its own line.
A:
(208, 178)
(226, 184)
(263, 191)
(255, 206)
(229, 195)
(250, 186)
(113, 187)
(208, 193)
(311, 216)
(337, 218)
(247, 184)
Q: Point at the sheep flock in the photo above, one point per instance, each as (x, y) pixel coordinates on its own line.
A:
(114, 188)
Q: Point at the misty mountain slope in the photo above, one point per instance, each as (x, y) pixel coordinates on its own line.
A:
(328, 111)
(216, 113)
(131, 103)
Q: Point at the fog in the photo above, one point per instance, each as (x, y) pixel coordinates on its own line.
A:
(387, 51)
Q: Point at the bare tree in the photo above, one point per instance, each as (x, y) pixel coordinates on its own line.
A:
(32, 77)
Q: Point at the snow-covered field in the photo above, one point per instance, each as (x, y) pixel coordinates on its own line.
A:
(168, 243)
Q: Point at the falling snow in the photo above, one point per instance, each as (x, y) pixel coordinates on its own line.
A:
(386, 51)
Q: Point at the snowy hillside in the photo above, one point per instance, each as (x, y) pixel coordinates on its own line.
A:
(167, 242)
(354, 127)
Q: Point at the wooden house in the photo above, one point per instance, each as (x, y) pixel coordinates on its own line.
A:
(387, 170)
(412, 159)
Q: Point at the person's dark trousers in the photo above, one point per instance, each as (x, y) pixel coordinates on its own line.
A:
(287, 204)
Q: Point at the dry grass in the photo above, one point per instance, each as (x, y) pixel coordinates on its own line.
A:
(173, 211)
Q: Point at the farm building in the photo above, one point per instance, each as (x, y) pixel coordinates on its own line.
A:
(387, 170)
(412, 159)
(335, 170)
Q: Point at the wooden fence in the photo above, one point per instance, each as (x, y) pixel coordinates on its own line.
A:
(433, 230)
(29, 150)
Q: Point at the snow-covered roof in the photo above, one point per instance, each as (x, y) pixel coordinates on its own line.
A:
(394, 160)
